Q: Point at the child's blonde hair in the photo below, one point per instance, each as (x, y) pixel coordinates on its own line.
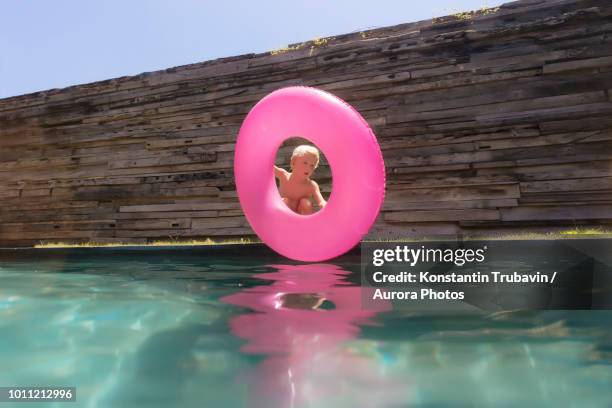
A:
(303, 150)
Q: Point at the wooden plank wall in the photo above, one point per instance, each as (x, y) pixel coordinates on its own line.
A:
(489, 121)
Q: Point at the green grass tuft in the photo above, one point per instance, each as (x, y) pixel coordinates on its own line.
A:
(193, 242)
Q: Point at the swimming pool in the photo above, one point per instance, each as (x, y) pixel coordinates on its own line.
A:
(239, 327)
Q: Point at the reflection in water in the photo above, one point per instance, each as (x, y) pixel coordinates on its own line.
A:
(302, 324)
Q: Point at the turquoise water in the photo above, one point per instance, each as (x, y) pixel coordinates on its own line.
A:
(191, 328)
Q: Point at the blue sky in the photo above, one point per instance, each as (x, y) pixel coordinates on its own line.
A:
(54, 44)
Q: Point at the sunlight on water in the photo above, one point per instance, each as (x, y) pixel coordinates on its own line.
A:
(161, 330)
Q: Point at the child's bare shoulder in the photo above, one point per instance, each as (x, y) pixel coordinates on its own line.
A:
(313, 185)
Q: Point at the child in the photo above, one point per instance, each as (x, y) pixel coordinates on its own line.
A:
(296, 188)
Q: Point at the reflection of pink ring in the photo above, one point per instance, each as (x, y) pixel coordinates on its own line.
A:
(358, 173)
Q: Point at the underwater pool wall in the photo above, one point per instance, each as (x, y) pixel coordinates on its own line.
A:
(495, 120)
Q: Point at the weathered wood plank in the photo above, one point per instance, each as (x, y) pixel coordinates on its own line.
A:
(586, 184)
(383, 230)
(441, 215)
(504, 191)
(556, 213)
(577, 170)
(392, 205)
(219, 222)
(494, 108)
(179, 207)
(567, 198)
(577, 65)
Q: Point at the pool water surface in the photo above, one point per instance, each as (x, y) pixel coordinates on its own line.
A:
(197, 327)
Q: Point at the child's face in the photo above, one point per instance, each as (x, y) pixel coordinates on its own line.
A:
(304, 166)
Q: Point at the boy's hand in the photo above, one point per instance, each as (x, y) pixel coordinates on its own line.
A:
(280, 173)
(317, 195)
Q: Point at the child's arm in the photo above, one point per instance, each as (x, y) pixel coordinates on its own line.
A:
(317, 195)
(280, 173)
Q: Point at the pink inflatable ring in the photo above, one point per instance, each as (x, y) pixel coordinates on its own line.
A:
(357, 167)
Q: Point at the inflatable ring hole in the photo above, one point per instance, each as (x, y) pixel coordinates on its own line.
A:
(302, 301)
(299, 163)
